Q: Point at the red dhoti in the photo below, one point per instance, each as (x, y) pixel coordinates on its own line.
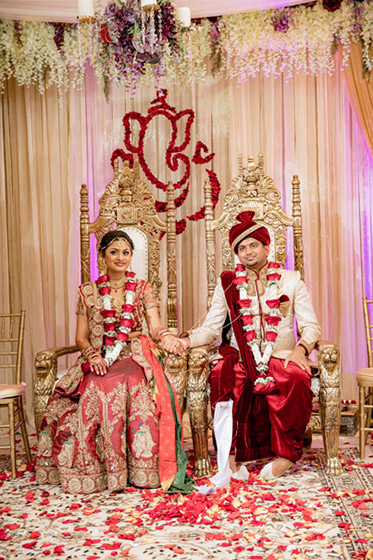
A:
(263, 425)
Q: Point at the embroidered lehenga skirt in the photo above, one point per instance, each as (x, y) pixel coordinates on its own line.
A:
(104, 436)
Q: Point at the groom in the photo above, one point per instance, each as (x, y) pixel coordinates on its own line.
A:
(260, 385)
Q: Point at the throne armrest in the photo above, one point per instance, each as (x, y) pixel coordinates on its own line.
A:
(45, 377)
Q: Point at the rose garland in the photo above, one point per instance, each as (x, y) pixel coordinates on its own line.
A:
(248, 307)
(115, 338)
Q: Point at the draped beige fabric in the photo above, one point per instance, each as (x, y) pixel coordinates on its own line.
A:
(304, 126)
(360, 89)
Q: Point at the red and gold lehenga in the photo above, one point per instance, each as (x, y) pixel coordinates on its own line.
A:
(104, 432)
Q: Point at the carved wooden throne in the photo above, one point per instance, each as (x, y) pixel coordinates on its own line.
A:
(126, 204)
(253, 190)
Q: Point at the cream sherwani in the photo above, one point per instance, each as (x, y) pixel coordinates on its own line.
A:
(299, 305)
(255, 425)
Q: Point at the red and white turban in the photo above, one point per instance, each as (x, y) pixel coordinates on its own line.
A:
(246, 227)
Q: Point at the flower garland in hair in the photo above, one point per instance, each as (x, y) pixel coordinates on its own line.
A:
(264, 382)
(115, 338)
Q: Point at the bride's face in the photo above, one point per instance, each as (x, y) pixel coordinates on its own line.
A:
(118, 257)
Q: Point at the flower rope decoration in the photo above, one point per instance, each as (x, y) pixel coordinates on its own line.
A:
(174, 153)
(134, 45)
(291, 40)
(248, 307)
(115, 337)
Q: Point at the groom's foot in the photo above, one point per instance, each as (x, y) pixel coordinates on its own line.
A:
(235, 467)
(275, 469)
(280, 466)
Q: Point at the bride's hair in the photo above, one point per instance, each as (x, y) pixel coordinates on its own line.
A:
(112, 236)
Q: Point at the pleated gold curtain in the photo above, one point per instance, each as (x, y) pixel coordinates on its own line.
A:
(305, 126)
(360, 89)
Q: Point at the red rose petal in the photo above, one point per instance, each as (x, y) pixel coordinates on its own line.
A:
(35, 535)
(29, 545)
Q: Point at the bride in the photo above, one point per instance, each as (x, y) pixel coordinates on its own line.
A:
(113, 419)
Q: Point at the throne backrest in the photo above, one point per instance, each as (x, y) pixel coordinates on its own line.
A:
(252, 190)
(127, 204)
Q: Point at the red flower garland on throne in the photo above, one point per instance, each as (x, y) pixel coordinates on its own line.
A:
(174, 153)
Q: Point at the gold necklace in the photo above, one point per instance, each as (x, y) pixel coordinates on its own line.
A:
(118, 284)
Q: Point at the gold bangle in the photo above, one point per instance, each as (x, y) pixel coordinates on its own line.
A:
(165, 333)
(158, 333)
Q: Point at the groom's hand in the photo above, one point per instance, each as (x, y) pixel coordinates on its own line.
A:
(298, 356)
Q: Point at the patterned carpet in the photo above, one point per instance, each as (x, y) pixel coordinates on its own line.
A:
(304, 515)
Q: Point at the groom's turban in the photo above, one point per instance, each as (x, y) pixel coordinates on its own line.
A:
(246, 227)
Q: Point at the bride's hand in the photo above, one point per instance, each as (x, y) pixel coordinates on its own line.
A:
(172, 344)
(98, 365)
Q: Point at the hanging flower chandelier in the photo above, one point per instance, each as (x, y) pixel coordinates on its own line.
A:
(136, 32)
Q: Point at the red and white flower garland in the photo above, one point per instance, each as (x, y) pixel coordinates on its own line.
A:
(250, 306)
(116, 337)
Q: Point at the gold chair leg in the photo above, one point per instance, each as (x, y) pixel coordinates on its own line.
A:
(368, 414)
(24, 432)
(330, 405)
(12, 435)
(197, 407)
(362, 422)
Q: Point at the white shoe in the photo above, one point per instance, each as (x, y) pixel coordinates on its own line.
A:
(266, 473)
(241, 474)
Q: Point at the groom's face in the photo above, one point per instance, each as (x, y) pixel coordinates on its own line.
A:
(252, 253)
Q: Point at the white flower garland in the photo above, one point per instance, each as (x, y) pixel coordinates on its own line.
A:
(249, 306)
(116, 336)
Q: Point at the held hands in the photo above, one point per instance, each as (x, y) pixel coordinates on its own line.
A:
(298, 356)
(98, 365)
(173, 344)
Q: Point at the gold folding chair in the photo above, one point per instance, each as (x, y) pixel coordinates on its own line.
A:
(365, 381)
(12, 327)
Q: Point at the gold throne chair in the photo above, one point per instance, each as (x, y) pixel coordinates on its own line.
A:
(126, 204)
(253, 190)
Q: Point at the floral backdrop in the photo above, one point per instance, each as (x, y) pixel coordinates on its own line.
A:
(289, 40)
